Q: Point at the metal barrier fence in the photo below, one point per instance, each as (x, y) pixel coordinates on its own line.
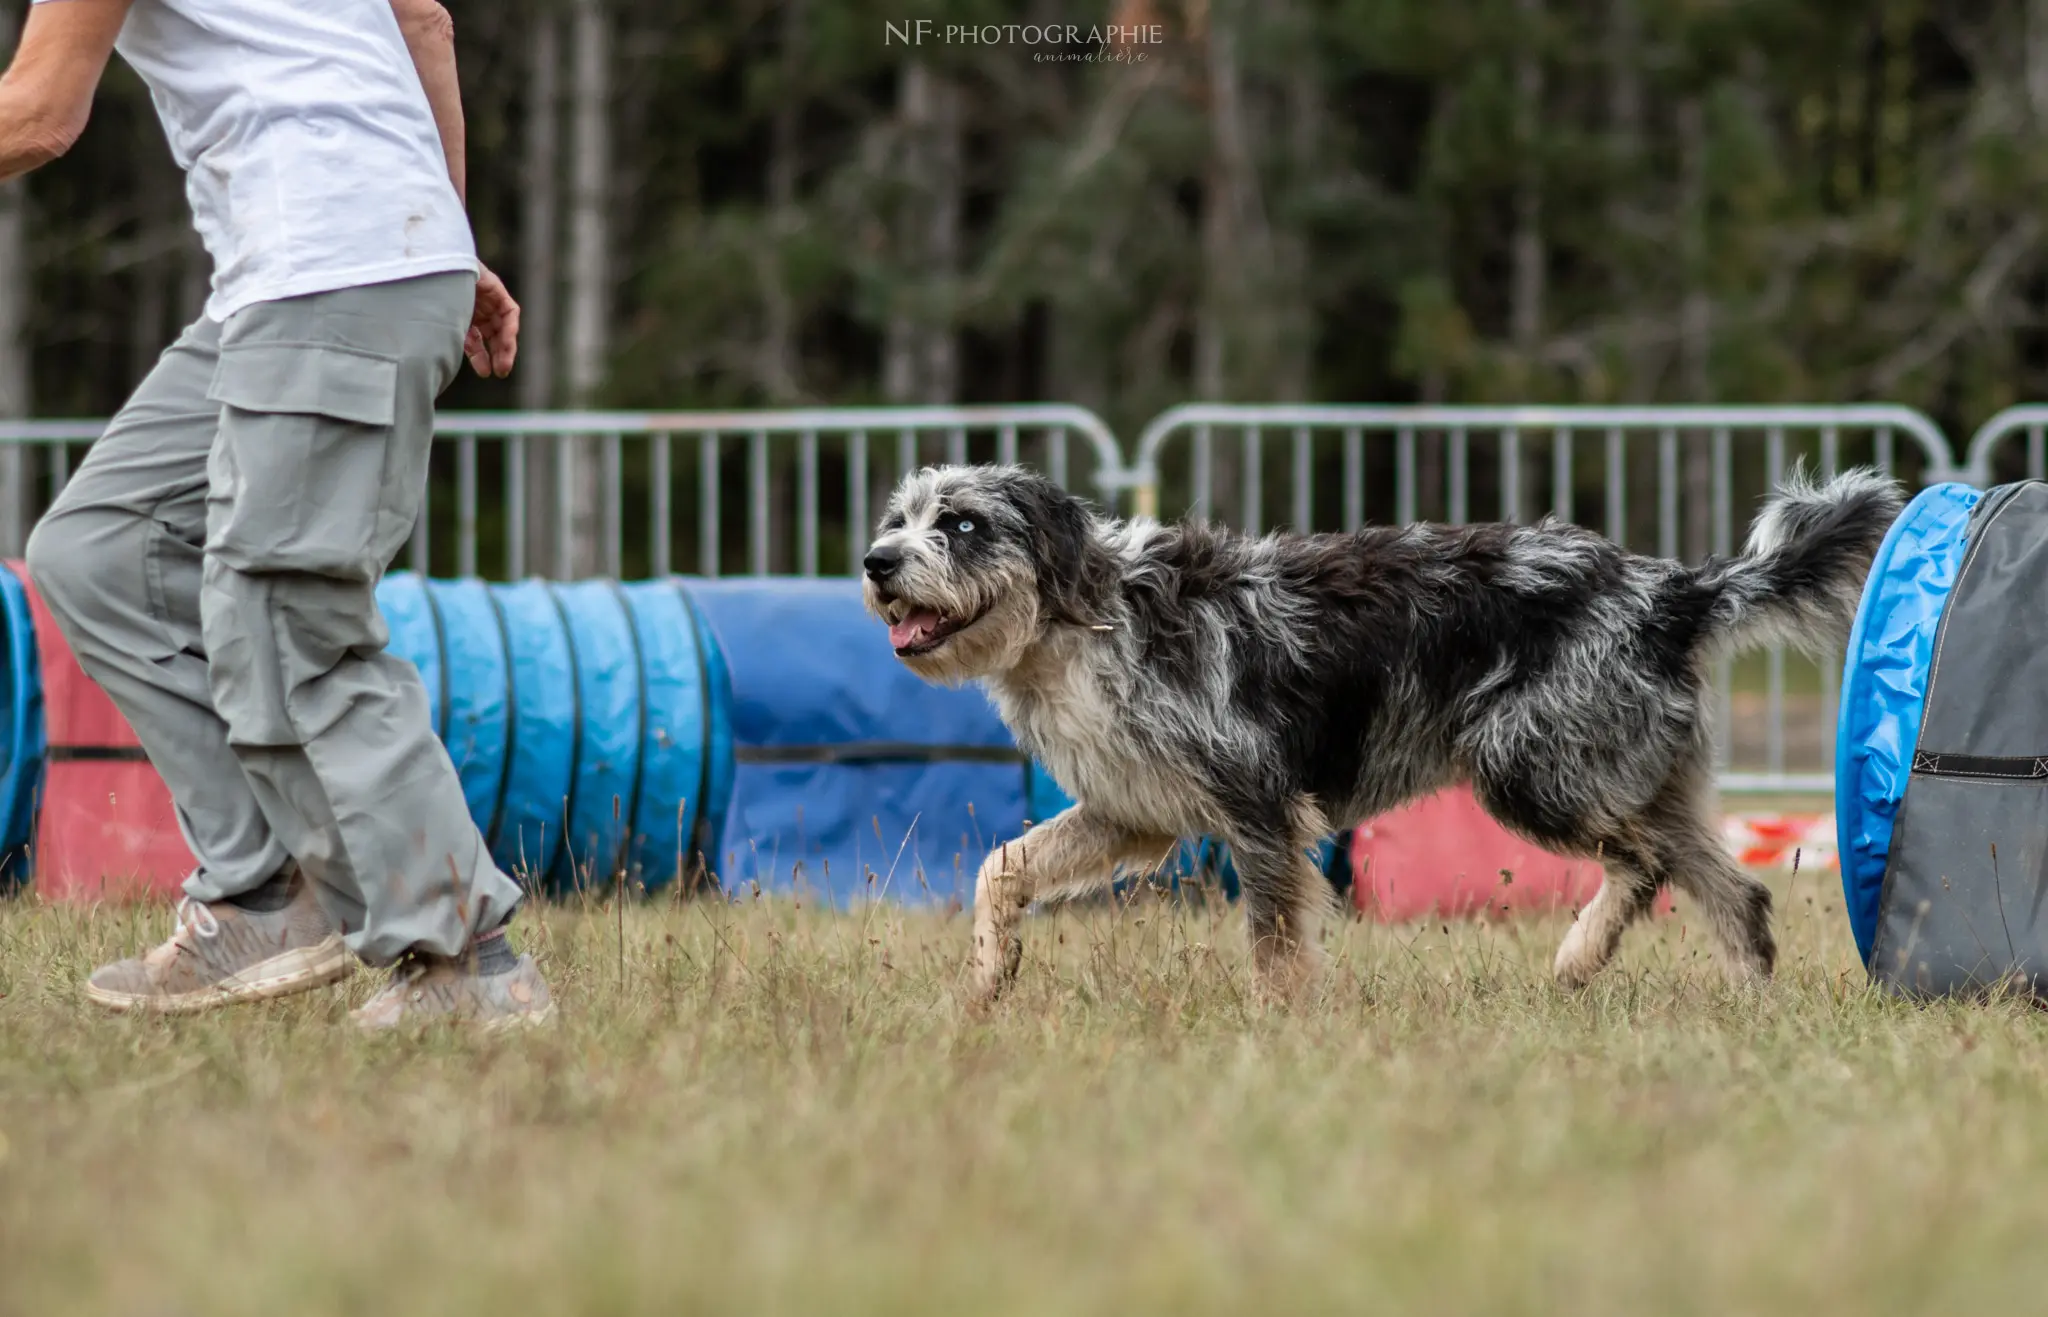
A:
(1989, 458)
(24, 490)
(795, 492)
(522, 501)
(1675, 481)
(1533, 449)
(783, 504)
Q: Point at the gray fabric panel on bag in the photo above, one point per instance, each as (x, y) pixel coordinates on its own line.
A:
(1954, 917)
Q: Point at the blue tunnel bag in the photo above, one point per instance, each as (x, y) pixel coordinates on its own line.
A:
(1941, 775)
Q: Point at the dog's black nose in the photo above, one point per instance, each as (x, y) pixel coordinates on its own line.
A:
(882, 561)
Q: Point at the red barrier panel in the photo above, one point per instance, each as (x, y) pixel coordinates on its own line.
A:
(1444, 855)
(106, 828)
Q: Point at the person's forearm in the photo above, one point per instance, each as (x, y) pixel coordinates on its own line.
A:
(46, 92)
(29, 136)
(430, 38)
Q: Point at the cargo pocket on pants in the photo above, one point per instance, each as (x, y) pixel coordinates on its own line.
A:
(301, 476)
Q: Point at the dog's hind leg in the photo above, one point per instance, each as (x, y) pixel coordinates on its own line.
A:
(1069, 853)
(1286, 900)
(1681, 825)
(1735, 906)
(1674, 841)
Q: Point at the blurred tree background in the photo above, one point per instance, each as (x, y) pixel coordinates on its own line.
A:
(770, 201)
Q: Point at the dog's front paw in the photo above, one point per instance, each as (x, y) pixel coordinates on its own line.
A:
(1577, 959)
(996, 962)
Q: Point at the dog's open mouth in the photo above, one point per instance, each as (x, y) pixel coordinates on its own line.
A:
(915, 629)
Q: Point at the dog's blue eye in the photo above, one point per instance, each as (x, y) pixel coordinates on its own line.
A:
(966, 528)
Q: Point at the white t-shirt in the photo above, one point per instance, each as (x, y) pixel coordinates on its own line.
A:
(310, 155)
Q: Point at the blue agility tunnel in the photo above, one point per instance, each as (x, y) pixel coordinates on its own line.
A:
(21, 727)
(590, 721)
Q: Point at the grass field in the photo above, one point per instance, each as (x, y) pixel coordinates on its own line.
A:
(764, 1109)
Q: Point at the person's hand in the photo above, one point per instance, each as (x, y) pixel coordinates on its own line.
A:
(493, 339)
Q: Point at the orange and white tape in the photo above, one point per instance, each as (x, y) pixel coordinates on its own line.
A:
(1772, 841)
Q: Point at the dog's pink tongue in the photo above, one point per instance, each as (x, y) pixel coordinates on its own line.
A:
(916, 628)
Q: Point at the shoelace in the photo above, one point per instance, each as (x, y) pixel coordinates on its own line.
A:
(196, 916)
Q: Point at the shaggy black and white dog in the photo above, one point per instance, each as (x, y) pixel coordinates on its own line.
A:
(1179, 680)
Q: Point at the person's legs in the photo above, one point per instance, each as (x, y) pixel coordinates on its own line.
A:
(326, 419)
(213, 565)
(117, 559)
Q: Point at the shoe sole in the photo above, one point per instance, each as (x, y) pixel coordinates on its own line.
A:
(302, 968)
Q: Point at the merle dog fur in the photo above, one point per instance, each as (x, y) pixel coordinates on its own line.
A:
(1187, 679)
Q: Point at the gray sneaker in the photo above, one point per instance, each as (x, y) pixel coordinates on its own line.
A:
(220, 954)
(427, 988)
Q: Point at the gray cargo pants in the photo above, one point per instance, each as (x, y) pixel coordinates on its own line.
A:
(213, 565)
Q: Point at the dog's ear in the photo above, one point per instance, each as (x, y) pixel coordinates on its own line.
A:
(1074, 574)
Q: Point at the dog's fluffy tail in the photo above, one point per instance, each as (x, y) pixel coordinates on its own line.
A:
(1800, 578)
